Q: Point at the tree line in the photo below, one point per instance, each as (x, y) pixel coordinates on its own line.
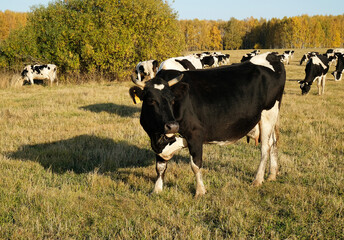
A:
(106, 36)
(290, 32)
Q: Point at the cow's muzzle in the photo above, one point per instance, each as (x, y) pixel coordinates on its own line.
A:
(171, 128)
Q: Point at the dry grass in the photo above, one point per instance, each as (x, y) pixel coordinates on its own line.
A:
(76, 164)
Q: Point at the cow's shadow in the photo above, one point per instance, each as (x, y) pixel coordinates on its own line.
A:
(121, 110)
(85, 153)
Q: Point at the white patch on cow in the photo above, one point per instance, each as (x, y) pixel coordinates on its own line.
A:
(161, 167)
(317, 61)
(168, 152)
(159, 86)
(200, 189)
(269, 119)
(262, 61)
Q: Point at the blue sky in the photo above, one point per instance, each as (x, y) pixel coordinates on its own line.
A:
(224, 9)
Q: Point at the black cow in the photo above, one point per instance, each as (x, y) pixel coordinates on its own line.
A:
(316, 69)
(216, 105)
(339, 67)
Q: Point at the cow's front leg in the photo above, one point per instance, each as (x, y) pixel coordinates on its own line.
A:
(196, 166)
(31, 81)
(161, 166)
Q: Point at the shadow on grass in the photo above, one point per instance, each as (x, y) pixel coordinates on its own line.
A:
(84, 154)
(121, 110)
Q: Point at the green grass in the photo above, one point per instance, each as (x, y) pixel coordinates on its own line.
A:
(76, 164)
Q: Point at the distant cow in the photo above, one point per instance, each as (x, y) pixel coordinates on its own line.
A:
(146, 70)
(307, 56)
(338, 73)
(316, 69)
(287, 56)
(39, 72)
(209, 61)
(186, 63)
(247, 57)
(215, 105)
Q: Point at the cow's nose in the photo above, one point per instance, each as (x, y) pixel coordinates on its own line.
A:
(171, 127)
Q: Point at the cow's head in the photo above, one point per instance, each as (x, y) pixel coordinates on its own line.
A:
(305, 87)
(146, 70)
(159, 106)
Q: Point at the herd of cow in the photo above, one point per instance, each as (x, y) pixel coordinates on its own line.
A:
(196, 99)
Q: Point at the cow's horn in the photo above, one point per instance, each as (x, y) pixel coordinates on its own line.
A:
(175, 80)
(137, 82)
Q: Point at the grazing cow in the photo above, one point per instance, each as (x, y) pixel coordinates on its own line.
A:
(307, 56)
(186, 63)
(39, 72)
(316, 69)
(146, 70)
(215, 105)
(339, 68)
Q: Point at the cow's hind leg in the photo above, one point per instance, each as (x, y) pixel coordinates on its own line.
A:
(273, 155)
(268, 123)
(323, 83)
(161, 166)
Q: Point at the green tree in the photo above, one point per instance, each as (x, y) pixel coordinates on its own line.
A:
(102, 36)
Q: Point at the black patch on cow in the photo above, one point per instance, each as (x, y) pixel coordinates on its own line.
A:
(187, 65)
(142, 70)
(208, 61)
(24, 72)
(155, 66)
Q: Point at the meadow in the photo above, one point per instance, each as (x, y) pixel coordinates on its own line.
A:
(76, 164)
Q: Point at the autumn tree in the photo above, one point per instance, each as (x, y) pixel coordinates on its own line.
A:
(9, 21)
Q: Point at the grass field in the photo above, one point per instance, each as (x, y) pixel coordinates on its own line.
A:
(76, 164)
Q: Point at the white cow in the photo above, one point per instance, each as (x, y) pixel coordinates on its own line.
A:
(39, 72)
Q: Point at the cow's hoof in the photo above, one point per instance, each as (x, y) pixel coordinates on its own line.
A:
(271, 178)
(200, 193)
(257, 183)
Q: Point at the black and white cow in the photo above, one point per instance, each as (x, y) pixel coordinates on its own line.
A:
(186, 63)
(307, 56)
(215, 105)
(287, 56)
(209, 61)
(338, 73)
(146, 70)
(39, 72)
(316, 69)
(247, 57)
(223, 59)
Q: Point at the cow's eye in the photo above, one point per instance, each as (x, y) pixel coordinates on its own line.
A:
(151, 101)
(172, 102)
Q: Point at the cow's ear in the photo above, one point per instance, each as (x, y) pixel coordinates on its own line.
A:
(136, 94)
(180, 90)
